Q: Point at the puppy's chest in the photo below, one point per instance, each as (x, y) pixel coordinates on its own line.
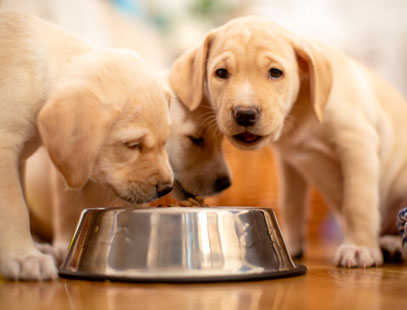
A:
(313, 156)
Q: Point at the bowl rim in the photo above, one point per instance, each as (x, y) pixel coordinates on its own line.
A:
(176, 208)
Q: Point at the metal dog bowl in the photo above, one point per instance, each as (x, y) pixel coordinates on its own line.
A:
(178, 245)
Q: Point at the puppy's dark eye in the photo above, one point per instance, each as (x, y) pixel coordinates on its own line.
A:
(133, 145)
(275, 73)
(197, 141)
(222, 73)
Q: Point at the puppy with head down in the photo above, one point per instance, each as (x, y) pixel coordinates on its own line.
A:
(195, 152)
(334, 124)
(101, 115)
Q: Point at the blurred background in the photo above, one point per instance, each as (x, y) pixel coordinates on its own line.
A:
(375, 32)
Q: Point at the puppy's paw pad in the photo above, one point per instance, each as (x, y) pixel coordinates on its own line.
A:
(35, 266)
(350, 255)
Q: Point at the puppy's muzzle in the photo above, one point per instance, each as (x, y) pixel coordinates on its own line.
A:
(222, 183)
(163, 189)
(246, 116)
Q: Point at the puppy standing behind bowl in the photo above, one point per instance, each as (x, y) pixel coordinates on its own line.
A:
(101, 115)
(195, 152)
(334, 123)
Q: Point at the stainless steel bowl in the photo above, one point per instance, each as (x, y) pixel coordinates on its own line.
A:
(178, 245)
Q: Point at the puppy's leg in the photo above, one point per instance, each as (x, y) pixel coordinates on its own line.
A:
(294, 192)
(360, 204)
(67, 208)
(19, 258)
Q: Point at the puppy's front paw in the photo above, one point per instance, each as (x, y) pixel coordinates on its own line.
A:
(296, 252)
(295, 247)
(30, 266)
(350, 255)
(60, 250)
(44, 248)
(392, 248)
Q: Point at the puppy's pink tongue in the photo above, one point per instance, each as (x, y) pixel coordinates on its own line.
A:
(249, 137)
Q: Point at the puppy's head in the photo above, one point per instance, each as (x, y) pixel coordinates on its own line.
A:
(195, 151)
(251, 71)
(107, 120)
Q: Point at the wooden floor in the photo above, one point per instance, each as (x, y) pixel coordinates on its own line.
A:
(323, 287)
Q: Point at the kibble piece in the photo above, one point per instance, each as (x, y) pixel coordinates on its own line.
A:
(191, 202)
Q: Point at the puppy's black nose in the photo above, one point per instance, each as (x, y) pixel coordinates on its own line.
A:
(222, 183)
(163, 189)
(246, 116)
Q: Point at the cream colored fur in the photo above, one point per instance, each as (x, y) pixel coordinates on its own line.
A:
(195, 153)
(334, 124)
(101, 115)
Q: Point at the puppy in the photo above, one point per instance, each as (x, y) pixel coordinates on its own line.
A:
(195, 154)
(195, 151)
(334, 124)
(101, 115)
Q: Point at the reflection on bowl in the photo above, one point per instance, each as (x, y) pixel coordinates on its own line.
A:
(178, 245)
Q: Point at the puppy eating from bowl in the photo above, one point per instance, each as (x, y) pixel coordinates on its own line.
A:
(334, 124)
(195, 150)
(195, 153)
(102, 115)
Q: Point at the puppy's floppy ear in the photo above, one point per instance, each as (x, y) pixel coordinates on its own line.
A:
(73, 127)
(188, 73)
(313, 61)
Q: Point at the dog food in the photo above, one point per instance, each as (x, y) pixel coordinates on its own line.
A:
(191, 202)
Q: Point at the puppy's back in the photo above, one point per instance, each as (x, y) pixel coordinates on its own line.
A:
(33, 54)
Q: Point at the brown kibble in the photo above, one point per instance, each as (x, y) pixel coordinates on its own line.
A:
(191, 202)
(199, 199)
(185, 203)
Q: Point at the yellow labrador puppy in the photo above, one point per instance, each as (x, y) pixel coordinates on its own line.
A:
(195, 153)
(335, 124)
(101, 115)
